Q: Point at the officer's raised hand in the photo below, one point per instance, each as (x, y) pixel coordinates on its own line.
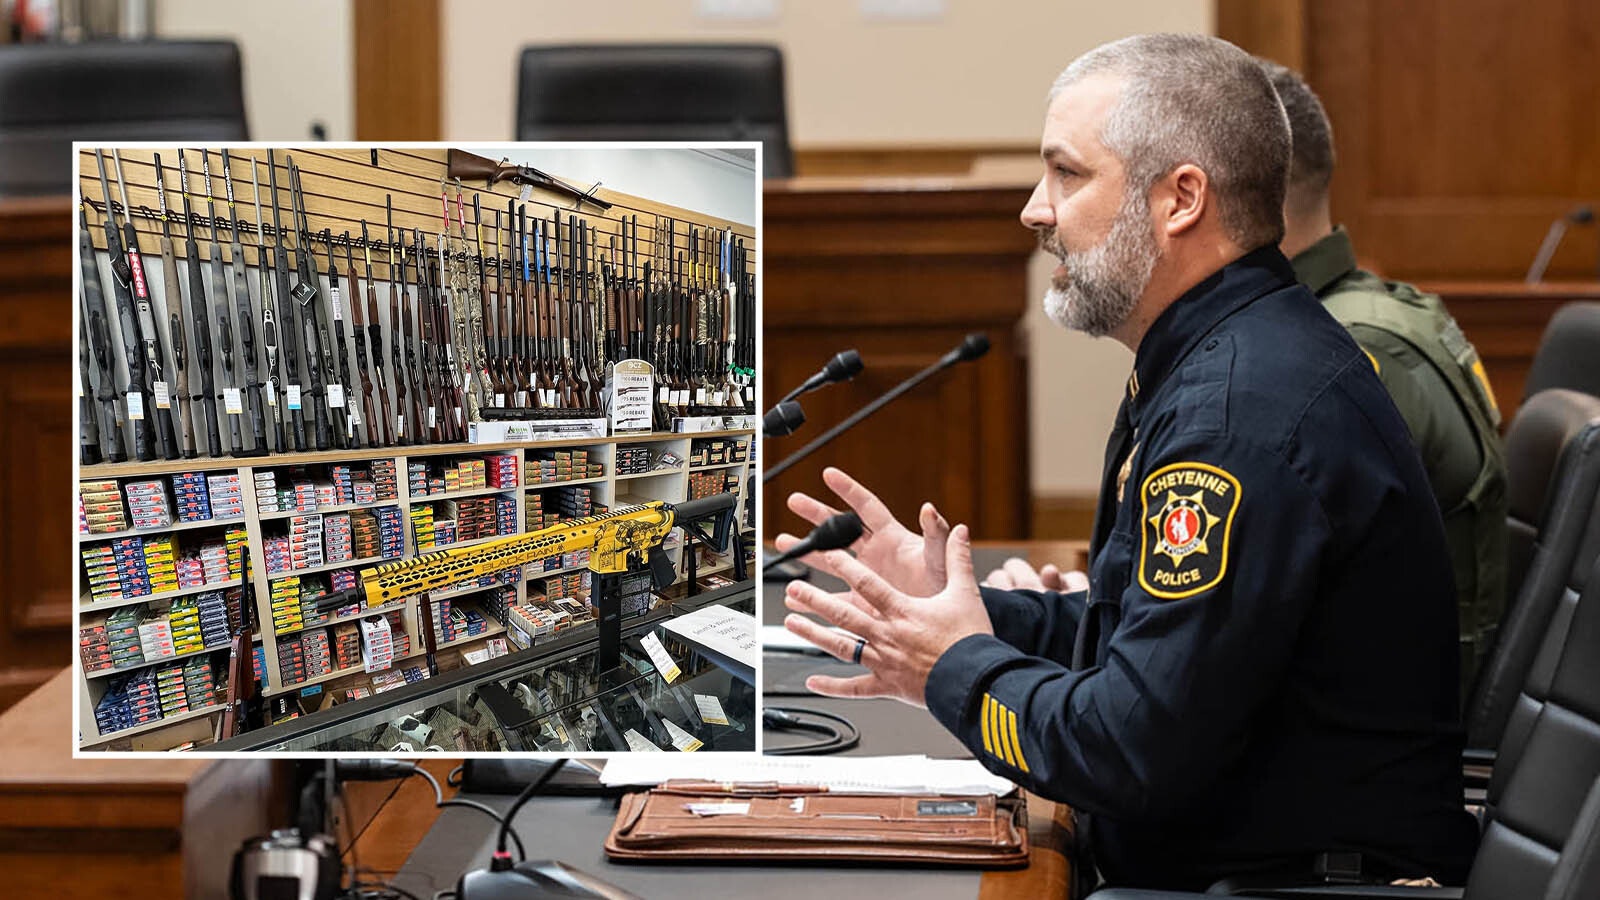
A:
(910, 562)
(901, 635)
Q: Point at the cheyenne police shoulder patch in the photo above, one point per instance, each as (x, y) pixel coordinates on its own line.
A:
(1188, 518)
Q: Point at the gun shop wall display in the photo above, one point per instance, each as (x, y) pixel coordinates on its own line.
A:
(352, 419)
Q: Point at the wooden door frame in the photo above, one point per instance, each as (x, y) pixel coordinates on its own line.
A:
(399, 79)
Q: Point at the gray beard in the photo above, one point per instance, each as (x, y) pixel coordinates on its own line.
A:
(1102, 285)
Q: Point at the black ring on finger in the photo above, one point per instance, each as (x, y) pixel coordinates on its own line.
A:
(861, 644)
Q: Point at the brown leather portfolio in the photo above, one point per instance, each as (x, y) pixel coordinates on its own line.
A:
(709, 821)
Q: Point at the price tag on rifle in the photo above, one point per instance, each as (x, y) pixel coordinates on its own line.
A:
(355, 417)
(710, 709)
(681, 739)
(163, 395)
(336, 396)
(135, 406)
(433, 417)
(231, 401)
(661, 658)
(638, 743)
(700, 396)
(272, 395)
(293, 394)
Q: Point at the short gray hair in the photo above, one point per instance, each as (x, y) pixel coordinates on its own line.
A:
(1195, 99)
(1312, 159)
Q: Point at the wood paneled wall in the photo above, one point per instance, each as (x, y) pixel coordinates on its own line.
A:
(37, 446)
(1463, 128)
(901, 270)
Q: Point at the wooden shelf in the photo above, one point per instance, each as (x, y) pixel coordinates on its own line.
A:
(152, 726)
(165, 529)
(375, 611)
(545, 485)
(325, 510)
(658, 472)
(715, 466)
(107, 673)
(417, 499)
(91, 606)
(329, 567)
(340, 673)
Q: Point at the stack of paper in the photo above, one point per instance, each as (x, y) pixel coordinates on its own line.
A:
(855, 774)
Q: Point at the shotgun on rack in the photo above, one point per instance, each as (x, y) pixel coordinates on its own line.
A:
(342, 348)
(137, 396)
(95, 319)
(374, 430)
(182, 410)
(470, 167)
(269, 320)
(314, 332)
(291, 359)
(247, 331)
(220, 296)
(202, 321)
(150, 334)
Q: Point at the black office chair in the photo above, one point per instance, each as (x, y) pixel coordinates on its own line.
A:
(1553, 479)
(54, 94)
(1540, 837)
(1569, 353)
(656, 92)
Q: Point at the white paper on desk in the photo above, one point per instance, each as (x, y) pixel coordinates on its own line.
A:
(856, 774)
(777, 637)
(724, 631)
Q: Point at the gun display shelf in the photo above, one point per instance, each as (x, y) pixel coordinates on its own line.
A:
(237, 335)
(522, 497)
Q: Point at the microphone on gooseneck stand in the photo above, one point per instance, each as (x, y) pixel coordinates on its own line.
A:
(1580, 215)
(836, 532)
(783, 419)
(843, 367)
(972, 346)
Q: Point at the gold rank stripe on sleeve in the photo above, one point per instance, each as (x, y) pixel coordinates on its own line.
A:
(998, 724)
(1022, 761)
(983, 724)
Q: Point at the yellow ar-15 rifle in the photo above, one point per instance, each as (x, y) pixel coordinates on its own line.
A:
(622, 541)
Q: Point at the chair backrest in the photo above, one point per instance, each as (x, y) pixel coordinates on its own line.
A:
(109, 91)
(1543, 788)
(656, 92)
(1577, 874)
(1552, 479)
(1569, 353)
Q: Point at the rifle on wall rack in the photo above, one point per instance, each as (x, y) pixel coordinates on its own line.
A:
(121, 276)
(374, 429)
(291, 359)
(402, 433)
(202, 321)
(342, 348)
(315, 333)
(98, 340)
(269, 320)
(247, 331)
(381, 436)
(466, 166)
(220, 295)
(183, 409)
(150, 334)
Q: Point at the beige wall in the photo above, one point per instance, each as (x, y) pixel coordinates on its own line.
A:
(299, 65)
(976, 75)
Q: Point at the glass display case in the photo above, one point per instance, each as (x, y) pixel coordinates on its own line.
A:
(552, 698)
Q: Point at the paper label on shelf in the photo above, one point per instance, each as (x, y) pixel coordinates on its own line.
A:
(336, 396)
(135, 406)
(292, 394)
(710, 709)
(661, 658)
(231, 401)
(163, 395)
(681, 739)
(638, 743)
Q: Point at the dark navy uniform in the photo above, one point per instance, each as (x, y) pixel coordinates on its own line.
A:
(1264, 668)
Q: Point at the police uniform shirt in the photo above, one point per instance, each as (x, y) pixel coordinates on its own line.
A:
(1266, 660)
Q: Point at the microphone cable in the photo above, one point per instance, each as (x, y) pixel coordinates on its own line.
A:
(837, 738)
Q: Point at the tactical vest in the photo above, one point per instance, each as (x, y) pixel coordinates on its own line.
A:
(1475, 527)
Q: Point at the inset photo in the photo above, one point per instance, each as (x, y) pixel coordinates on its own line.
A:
(416, 448)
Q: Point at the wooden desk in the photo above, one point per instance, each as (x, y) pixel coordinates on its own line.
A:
(901, 269)
(96, 828)
(1504, 320)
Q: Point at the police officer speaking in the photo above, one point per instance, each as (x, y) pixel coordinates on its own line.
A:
(1261, 674)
